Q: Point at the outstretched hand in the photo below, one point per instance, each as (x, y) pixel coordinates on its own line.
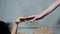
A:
(19, 20)
(34, 17)
(26, 19)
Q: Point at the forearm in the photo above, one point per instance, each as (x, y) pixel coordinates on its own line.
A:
(51, 8)
(14, 30)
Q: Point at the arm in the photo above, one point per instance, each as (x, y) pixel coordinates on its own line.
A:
(47, 11)
(51, 8)
(14, 30)
(15, 26)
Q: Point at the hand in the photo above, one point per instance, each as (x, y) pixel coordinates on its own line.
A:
(33, 17)
(19, 20)
(37, 17)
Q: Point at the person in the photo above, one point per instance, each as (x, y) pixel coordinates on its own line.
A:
(44, 13)
(40, 30)
(4, 29)
(15, 25)
(35, 17)
(47, 11)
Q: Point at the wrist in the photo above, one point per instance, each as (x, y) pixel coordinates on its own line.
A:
(15, 24)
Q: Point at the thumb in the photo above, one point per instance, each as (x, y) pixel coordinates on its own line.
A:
(33, 19)
(25, 21)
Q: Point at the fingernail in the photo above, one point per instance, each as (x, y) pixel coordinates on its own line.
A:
(31, 21)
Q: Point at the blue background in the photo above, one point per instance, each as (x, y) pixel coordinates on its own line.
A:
(12, 9)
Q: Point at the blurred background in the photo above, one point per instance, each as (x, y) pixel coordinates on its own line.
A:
(12, 9)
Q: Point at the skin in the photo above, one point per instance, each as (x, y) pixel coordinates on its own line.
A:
(15, 26)
(36, 17)
(47, 11)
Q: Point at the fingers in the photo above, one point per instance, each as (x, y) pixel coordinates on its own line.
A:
(18, 20)
(29, 18)
(21, 19)
(33, 19)
(25, 21)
